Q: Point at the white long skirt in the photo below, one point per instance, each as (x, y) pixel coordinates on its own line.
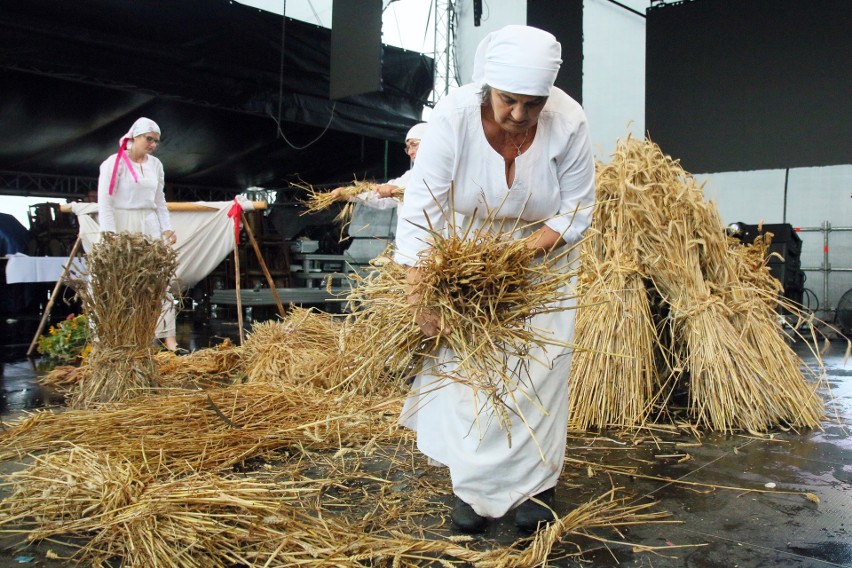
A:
(487, 473)
(145, 221)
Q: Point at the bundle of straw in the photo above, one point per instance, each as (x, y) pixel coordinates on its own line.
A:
(216, 366)
(204, 430)
(655, 213)
(614, 378)
(123, 294)
(301, 348)
(485, 286)
(64, 378)
(125, 511)
(144, 518)
(204, 368)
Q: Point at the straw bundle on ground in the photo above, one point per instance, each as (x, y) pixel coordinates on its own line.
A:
(300, 348)
(123, 294)
(615, 345)
(754, 298)
(485, 286)
(316, 348)
(204, 368)
(124, 511)
(205, 430)
(216, 366)
(64, 378)
(724, 344)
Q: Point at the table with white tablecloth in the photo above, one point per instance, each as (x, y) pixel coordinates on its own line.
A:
(22, 268)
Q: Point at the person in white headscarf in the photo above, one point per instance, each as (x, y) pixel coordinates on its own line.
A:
(509, 141)
(382, 197)
(131, 199)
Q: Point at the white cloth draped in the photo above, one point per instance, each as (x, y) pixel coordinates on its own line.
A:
(204, 238)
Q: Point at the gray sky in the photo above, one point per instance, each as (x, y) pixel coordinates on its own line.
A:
(405, 23)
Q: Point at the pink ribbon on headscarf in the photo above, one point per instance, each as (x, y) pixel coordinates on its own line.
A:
(235, 212)
(122, 155)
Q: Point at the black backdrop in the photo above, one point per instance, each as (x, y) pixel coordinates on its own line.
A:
(75, 75)
(750, 84)
(564, 19)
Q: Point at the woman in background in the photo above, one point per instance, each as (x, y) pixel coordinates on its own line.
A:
(131, 199)
(382, 196)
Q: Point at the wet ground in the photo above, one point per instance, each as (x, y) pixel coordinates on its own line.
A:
(735, 500)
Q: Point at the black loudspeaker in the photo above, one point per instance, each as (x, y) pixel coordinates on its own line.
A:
(356, 48)
(564, 19)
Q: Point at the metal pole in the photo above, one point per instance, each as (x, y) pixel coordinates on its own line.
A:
(826, 228)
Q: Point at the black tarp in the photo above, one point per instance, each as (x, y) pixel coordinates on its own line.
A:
(75, 75)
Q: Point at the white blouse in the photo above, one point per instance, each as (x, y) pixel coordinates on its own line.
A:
(144, 194)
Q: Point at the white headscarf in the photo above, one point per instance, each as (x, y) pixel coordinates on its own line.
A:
(141, 126)
(518, 59)
(416, 132)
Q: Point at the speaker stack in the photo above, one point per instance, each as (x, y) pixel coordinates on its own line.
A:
(785, 265)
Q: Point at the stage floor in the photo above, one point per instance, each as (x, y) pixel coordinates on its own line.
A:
(715, 518)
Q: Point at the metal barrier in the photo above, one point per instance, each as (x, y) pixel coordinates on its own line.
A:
(826, 229)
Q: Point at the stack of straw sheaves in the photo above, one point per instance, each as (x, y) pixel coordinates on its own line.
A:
(123, 294)
(671, 305)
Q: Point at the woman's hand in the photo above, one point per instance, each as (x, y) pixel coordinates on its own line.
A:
(426, 318)
(386, 190)
(544, 240)
(335, 193)
(170, 237)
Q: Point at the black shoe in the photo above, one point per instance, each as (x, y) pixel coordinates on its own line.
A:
(530, 515)
(465, 518)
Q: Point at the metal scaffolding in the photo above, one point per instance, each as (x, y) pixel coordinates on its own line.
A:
(446, 73)
(77, 187)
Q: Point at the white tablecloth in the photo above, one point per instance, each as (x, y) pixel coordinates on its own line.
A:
(23, 268)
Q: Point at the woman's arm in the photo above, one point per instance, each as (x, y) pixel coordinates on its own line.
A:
(162, 206)
(106, 207)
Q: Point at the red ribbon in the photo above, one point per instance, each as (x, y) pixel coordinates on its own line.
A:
(235, 212)
(121, 155)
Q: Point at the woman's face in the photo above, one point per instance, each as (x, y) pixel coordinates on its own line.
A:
(411, 146)
(147, 142)
(516, 113)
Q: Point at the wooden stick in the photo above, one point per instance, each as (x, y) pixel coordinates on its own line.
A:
(237, 285)
(181, 206)
(50, 303)
(263, 266)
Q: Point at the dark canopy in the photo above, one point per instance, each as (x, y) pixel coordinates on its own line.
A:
(75, 75)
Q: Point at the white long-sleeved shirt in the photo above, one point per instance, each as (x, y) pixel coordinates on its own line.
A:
(146, 194)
